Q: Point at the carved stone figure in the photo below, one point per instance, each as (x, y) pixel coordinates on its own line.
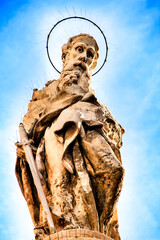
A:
(75, 142)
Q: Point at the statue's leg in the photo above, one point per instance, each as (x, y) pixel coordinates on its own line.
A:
(85, 206)
(106, 175)
(58, 181)
(72, 200)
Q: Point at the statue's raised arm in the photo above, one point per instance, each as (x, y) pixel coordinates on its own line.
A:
(76, 146)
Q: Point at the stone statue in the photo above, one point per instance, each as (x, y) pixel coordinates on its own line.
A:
(75, 142)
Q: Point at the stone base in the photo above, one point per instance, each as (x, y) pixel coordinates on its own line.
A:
(80, 234)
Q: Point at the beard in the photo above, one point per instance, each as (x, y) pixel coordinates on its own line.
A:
(75, 73)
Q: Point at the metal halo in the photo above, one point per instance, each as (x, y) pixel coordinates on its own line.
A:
(86, 19)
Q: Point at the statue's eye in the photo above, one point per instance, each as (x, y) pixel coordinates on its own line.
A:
(63, 56)
(79, 49)
(89, 54)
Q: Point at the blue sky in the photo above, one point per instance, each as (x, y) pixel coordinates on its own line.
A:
(129, 85)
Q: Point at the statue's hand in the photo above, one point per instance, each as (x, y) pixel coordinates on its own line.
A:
(20, 150)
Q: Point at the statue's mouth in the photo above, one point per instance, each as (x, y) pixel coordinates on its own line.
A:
(80, 65)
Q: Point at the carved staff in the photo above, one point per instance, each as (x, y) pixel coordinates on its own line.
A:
(34, 171)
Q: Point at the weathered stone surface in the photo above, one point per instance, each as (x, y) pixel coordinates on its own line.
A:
(76, 145)
(79, 234)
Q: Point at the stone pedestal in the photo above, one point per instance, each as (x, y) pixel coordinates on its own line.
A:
(77, 234)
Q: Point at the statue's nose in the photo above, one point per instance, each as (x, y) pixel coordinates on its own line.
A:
(83, 58)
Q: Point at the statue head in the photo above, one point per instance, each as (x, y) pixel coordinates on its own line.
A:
(81, 51)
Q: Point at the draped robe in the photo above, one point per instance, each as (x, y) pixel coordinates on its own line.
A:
(76, 144)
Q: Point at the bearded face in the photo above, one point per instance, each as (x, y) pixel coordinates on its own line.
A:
(79, 59)
(81, 53)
